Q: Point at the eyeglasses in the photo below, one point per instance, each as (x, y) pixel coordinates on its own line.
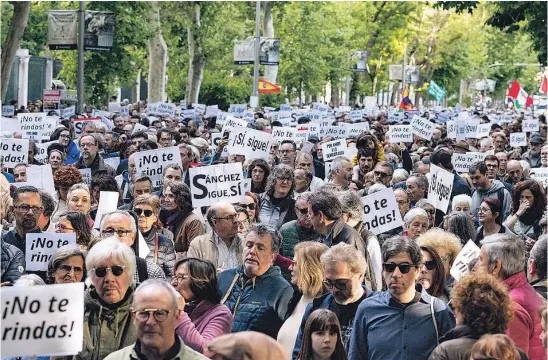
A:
(483, 210)
(87, 144)
(381, 174)
(285, 179)
(158, 314)
(391, 267)
(139, 212)
(120, 233)
(27, 208)
(64, 136)
(69, 268)
(430, 211)
(248, 206)
(339, 284)
(179, 278)
(62, 227)
(101, 271)
(303, 211)
(229, 217)
(430, 265)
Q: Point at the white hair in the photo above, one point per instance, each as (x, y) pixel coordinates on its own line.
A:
(412, 214)
(375, 188)
(400, 175)
(486, 142)
(460, 199)
(115, 250)
(29, 280)
(120, 212)
(158, 283)
(338, 163)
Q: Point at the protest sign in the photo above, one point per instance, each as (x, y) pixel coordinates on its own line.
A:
(381, 213)
(212, 110)
(469, 252)
(32, 122)
(231, 122)
(124, 111)
(451, 130)
(422, 128)
(396, 117)
(504, 118)
(217, 183)
(518, 139)
(114, 107)
(152, 163)
(68, 112)
(478, 156)
(79, 124)
(215, 139)
(41, 177)
(350, 152)
(284, 133)
(252, 143)
(86, 176)
(461, 162)
(410, 114)
(443, 117)
(237, 110)
(108, 202)
(336, 132)
(42, 154)
(471, 129)
(42, 320)
(41, 246)
(13, 152)
(355, 130)
(400, 133)
(483, 130)
(333, 149)
(440, 187)
(540, 175)
(113, 162)
(355, 115)
(10, 125)
(50, 124)
(8, 110)
(530, 125)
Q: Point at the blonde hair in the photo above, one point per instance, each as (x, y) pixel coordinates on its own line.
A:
(148, 199)
(307, 256)
(442, 241)
(5, 199)
(345, 253)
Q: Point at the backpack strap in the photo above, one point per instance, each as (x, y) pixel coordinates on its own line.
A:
(227, 295)
(141, 269)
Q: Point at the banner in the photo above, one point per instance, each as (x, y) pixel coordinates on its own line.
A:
(152, 163)
(253, 144)
(41, 246)
(42, 320)
(244, 51)
(333, 149)
(62, 29)
(99, 30)
(422, 128)
(217, 183)
(440, 187)
(518, 139)
(381, 213)
(13, 152)
(400, 133)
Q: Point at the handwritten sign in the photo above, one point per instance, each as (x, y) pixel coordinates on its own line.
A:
(469, 252)
(540, 175)
(86, 176)
(8, 110)
(231, 122)
(483, 130)
(530, 125)
(440, 187)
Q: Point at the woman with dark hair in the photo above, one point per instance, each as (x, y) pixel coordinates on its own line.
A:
(65, 136)
(528, 205)
(251, 204)
(204, 317)
(322, 337)
(432, 275)
(489, 216)
(258, 171)
(461, 225)
(276, 204)
(63, 179)
(177, 216)
(76, 222)
(67, 265)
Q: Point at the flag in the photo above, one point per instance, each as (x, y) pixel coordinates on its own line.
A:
(405, 103)
(266, 87)
(544, 85)
(519, 96)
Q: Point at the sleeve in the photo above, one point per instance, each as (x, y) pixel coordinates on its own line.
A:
(299, 339)
(282, 307)
(447, 321)
(406, 161)
(16, 267)
(357, 349)
(169, 260)
(507, 206)
(217, 326)
(195, 228)
(154, 271)
(519, 328)
(374, 250)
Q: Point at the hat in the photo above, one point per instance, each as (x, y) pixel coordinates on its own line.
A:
(313, 139)
(536, 139)
(462, 145)
(199, 142)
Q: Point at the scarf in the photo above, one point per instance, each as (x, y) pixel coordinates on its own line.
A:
(150, 235)
(172, 219)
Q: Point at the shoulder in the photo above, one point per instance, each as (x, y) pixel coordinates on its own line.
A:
(162, 240)
(291, 225)
(201, 239)
(227, 274)
(154, 271)
(124, 353)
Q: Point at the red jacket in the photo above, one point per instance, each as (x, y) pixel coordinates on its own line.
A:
(525, 327)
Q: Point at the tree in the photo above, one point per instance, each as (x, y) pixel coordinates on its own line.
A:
(196, 54)
(13, 41)
(157, 57)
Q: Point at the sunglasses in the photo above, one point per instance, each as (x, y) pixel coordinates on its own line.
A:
(339, 284)
(248, 206)
(139, 212)
(303, 211)
(430, 264)
(101, 271)
(391, 267)
(381, 174)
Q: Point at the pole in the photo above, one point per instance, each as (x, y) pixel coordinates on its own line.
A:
(403, 69)
(257, 48)
(81, 58)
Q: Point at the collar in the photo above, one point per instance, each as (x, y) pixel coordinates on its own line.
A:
(217, 240)
(516, 281)
(420, 296)
(175, 352)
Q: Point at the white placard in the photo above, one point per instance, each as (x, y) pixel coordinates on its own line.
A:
(79, 124)
(381, 212)
(10, 125)
(231, 122)
(162, 109)
(124, 111)
(54, 315)
(42, 154)
(400, 133)
(152, 163)
(41, 177)
(13, 152)
(8, 110)
(31, 121)
(462, 162)
(212, 110)
(50, 124)
(518, 139)
(451, 130)
(108, 202)
(471, 129)
(200, 108)
(355, 115)
(540, 175)
(216, 183)
(114, 107)
(86, 176)
(336, 132)
(469, 252)
(68, 112)
(440, 187)
(478, 156)
(237, 110)
(215, 139)
(422, 128)
(483, 130)
(41, 246)
(253, 144)
(396, 117)
(333, 149)
(284, 133)
(530, 125)
(113, 162)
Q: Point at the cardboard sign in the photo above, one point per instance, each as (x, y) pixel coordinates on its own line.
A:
(13, 152)
(108, 202)
(42, 154)
(540, 175)
(284, 133)
(440, 187)
(530, 125)
(10, 125)
(469, 252)
(8, 110)
(400, 133)
(518, 139)
(462, 162)
(422, 128)
(152, 163)
(53, 315)
(41, 246)
(253, 144)
(231, 122)
(381, 213)
(217, 183)
(333, 149)
(483, 130)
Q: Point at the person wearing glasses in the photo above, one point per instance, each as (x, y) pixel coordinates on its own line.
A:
(343, 273)
(123, 225)
(298, 230)
(242, 219)
(204, 317)
(162, 251)
(287, 152)
(430, 210)
(277, 205)
(64, 137)
(383, 173)
(432, 275)
(107, 322)
(490, 219)
(155, 314)
(403, 321)
(67, 265)
(76, 222)
(90, 157)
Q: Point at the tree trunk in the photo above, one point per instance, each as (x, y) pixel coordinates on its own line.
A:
(271, 71)
(197, 58)
(157, 57)
(13, 41)
(335, 93)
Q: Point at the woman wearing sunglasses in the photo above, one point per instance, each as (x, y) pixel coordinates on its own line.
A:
(162, 252)
(251, 205)
(107, 322)
(76, 222)
(432, 276)
(66, 265)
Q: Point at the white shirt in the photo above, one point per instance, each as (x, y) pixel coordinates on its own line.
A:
(226, 258)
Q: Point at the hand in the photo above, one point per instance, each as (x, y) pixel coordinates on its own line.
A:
(4, 283)
(221, 268)
(523, 206)
(222, 144)
(529, 243)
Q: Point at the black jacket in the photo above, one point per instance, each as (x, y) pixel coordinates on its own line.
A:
(12, 263)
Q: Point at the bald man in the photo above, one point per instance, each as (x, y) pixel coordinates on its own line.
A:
(514, 173)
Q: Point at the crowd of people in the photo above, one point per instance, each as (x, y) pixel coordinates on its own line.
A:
(292, 271)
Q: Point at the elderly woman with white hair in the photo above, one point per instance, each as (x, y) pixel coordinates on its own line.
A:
(399, 176)
(107, 321)
(66, 265)
(415, 223)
